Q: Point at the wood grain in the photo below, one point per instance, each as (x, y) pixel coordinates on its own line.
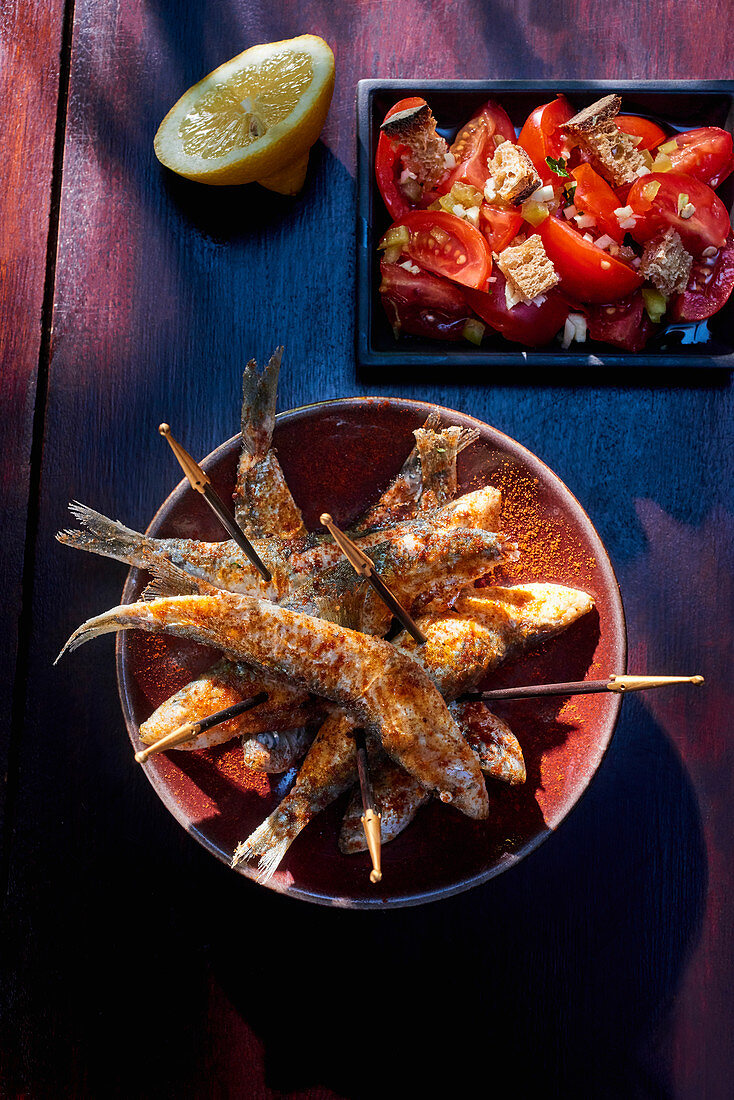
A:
(30, 44)
(601, 965)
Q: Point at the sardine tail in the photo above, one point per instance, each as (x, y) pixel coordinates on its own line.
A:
(259, 396)
(118, 618)
(467, 437)
(107, 537)
(269, 843)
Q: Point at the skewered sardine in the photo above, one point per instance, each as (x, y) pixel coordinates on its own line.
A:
(292, 562)
(380, 688)
(262, 500)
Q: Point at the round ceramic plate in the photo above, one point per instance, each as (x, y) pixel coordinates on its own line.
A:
(337, 457)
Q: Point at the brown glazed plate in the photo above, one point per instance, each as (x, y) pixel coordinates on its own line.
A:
(338, 456)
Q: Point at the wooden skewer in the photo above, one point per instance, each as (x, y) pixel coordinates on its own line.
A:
(365, 567)
(620, 684)
(189, 730)
(200, 481)
(370, 818)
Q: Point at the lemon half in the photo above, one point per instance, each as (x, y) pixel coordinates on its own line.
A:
(253, 118)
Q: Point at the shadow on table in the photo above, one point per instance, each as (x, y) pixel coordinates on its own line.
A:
(558, 972)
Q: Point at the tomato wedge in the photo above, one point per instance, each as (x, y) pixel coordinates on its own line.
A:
(652, 135)
(594, 196)
(448, 246)
(587, 273)
(707, 154)
(542, 135)
(623, 323)
(474, 143)
(499, 225)
(422, 304)
(524, 323)
(658, 208)
(389, 164)
(710, 285)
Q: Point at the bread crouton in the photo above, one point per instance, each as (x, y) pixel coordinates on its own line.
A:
(666, 264)
(527, 269)
(513, 173)
(613, 154)
(594, 116)
(424, 158)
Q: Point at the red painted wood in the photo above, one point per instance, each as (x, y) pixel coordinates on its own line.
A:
(601, 966)
(30, 42)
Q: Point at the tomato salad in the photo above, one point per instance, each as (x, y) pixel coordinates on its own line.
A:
(591, 223)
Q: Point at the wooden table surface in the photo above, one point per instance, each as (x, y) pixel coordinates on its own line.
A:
(135, 964)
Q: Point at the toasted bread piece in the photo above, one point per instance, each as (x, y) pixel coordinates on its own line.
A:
(612, 153)
(666, 264)
(594, 116)
(513, 173)
(425, 155)
(527, 269)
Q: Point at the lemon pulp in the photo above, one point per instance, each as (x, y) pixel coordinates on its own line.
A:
(237, 112)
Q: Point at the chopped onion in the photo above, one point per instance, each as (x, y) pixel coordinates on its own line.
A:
(543, 194)
(449, 160)
(534, 212)
(655, 303)
(604, 241)
(574, 330)
(585, 221)
(569, 212)
(623, 212)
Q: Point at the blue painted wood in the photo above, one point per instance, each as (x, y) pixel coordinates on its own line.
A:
(600, 965)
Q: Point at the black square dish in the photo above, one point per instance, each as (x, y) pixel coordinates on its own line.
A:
(679, 105)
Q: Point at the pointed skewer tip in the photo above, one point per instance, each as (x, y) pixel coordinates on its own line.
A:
(375, 876)
(164, 429)
(141, 757)
(325, 519)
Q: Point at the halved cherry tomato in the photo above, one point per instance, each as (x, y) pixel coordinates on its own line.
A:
(499, 225)
(474, 143)
(709, 286)
(524, 323)
(448, 246)
(422, 304)
(657, 209)
(542, 135)
(652, 134)
(706, 153)
(594, 196)
(389, 164)
(587, 273)
(624, 323)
